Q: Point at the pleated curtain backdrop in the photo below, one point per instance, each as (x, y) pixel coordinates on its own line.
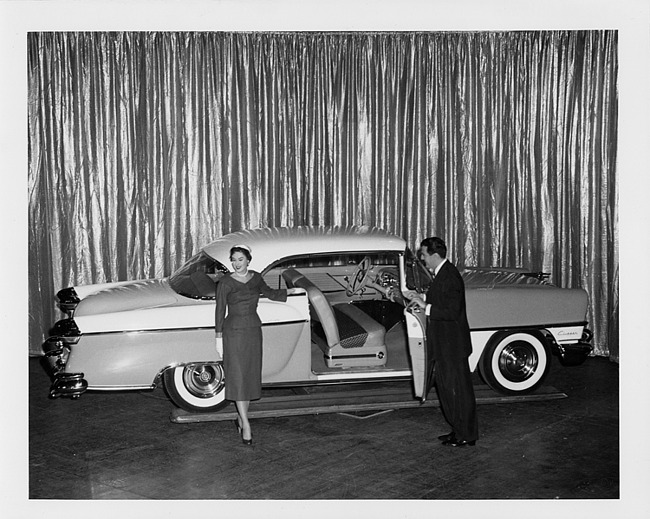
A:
(143, 147)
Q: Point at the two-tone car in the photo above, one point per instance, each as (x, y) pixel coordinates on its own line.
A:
(348, 323)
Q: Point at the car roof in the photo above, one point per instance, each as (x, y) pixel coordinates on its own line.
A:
(270, 244)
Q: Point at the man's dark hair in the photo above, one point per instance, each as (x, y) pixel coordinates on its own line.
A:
(434, 245)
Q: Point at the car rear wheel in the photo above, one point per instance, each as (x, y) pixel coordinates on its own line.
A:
(515, 362)
(197, 387)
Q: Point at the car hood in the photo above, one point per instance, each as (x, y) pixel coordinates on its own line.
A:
(124, 297)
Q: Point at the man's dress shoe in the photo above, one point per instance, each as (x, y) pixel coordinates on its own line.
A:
(446, 437)
(455, 442)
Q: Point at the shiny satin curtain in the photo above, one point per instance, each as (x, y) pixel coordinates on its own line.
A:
(145, 146)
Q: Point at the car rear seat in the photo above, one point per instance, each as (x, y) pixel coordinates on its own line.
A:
(347, 335)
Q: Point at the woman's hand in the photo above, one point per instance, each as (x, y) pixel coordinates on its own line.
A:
(219, 346)
(293, 290)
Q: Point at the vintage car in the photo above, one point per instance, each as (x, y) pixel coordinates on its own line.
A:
(349, 322)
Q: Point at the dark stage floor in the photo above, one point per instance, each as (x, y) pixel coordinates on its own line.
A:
(124, 446)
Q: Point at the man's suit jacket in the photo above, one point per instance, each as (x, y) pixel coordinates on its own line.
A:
(448, 334)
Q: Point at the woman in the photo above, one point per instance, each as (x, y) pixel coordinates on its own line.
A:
(239, 335)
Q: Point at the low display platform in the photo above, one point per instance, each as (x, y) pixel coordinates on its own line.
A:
(360, 403)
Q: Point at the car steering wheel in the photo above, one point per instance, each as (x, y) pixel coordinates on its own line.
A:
(359, 278)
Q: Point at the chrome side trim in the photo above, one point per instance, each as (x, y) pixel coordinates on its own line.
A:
(121, 388)
(196, 328)
(378, 355)
(526, 327)
(361, 376)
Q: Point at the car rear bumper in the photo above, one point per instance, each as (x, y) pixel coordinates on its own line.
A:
(574, 354)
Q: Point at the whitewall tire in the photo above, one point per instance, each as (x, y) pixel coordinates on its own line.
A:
(515, 362)
(197, 387)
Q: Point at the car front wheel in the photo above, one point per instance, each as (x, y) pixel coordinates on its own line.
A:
(515, 362)
(197, 387)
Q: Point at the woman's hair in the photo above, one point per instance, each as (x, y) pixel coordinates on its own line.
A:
(246, 251)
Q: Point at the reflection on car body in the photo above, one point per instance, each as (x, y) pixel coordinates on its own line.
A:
(348, 323)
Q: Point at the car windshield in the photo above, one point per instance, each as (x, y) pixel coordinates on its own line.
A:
(418, 276)
(198, 277)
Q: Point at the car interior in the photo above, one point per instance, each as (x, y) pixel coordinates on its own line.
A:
(346, 334)
(353, 325)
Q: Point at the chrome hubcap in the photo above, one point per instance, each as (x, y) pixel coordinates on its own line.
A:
(203, 380)
(518, 361)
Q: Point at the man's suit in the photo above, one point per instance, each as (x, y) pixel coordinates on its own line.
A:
(448, 346)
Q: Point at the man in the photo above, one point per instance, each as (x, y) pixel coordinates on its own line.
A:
(448, 343)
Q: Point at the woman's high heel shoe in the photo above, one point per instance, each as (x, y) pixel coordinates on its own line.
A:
(241, 434)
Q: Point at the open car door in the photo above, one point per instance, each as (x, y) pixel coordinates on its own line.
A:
(420, 364)
(418, 278)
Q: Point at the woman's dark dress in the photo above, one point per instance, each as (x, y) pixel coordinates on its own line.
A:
(242, 333)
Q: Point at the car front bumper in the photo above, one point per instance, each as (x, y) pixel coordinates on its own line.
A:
(68, 384)
(57, 350)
